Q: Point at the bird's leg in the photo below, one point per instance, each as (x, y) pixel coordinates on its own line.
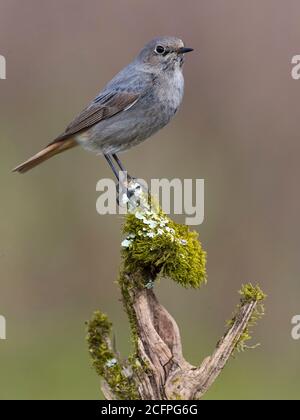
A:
(116, 173)
(128, 184)
(119, 163)
(121, 183)
(111, 164)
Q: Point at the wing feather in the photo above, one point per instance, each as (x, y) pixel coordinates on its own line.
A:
(104, 107)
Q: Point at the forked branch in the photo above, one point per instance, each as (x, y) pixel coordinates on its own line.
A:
(156, 246)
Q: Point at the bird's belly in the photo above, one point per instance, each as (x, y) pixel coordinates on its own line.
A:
(125, 129)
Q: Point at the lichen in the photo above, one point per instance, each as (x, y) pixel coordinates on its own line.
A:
(156, 244)
(117, 374)
(249, 293)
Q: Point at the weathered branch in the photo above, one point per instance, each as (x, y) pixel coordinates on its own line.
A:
(157, 369)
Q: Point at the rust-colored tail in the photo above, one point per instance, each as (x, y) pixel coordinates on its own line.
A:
(49, 151)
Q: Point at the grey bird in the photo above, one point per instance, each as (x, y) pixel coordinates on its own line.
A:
(135, 104)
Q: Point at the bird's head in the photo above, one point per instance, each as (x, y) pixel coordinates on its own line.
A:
(164, 53)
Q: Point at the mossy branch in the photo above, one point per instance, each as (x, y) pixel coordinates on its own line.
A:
(155, 246)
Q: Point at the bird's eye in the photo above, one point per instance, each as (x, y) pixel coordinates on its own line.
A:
(159, 49)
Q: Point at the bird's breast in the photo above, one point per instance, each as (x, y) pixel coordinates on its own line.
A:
(170, 91)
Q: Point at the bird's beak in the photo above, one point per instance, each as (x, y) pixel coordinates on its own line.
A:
(184, 50)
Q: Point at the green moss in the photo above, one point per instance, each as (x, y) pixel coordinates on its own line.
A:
(176, 396)
(249, 293)
(118, 375)
(128, 285)
(156, 244)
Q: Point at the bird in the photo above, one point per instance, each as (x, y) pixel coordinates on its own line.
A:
(140, 100)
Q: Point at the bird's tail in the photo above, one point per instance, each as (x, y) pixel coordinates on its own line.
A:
(49, 151)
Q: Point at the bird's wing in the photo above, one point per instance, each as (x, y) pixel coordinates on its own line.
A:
(103, 107)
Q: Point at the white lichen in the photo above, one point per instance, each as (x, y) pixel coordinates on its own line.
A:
(110, 363)
(155, 223)
(126, 243)
(150, 285)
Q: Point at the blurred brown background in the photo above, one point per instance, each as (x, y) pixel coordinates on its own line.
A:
(238, 129)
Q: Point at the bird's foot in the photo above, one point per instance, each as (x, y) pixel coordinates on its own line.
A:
(130, 193)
